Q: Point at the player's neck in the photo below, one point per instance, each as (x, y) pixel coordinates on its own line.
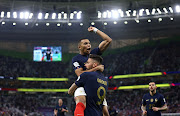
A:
(82, 53)
(152, 92)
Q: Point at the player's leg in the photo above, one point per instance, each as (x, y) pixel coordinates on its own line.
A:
(80, 99)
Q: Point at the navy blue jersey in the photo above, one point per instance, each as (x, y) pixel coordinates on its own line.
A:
(79, 60)
(157, 100)
(59, 108)
(95, 86)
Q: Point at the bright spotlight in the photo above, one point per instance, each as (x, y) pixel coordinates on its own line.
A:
(134, 13)
(71, 15)
(128, 14)
(105, 23)
(104, 14)
(8, 14)
(59, 15)
(170, 9)
(69, 24)
(79, 15)
(178, 9)
(26, 15)
(31, 15)
(115, 14)
(109, 14)
(171, 19)
(92, 23)
(81, 24)
(147, 12)
(121, 12)
(115, 22)
(141, 12)
(3, 23)
(125, 22)
(153, 11)
(149, 20)
(75, 12)
(40, 16)
(26, 24)
(36, 24)
(137, 21)
(65, 15)
(53, 15)
(46, 16)
(159, 11)
(14, 24)
(165, 10)
(2, 14)
(99, 14)
(58, 24)
(21, 15)
(47, 24)
(15, 15)
(160, 19)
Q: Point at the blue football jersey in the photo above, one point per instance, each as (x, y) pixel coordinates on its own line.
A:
(157, 100)
(79, 60)
(95, 86)
(59, 108)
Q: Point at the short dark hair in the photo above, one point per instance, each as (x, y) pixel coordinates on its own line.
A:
(97, 58)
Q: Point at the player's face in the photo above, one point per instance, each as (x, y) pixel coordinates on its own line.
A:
(89, 64)
(152, 86)
(85, 46)
(60, 102)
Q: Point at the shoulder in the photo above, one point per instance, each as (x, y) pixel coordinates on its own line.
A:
(146, 95)
(76, 57)
(160, 95)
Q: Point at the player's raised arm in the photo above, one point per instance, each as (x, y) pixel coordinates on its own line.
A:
(107, 40)
(72, 89)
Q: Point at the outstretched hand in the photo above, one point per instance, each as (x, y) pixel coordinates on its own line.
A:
(90, 29)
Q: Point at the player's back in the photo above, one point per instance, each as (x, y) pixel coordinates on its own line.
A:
(95, 88)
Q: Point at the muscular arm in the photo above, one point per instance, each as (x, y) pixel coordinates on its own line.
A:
(160, 108)
(55, 112)
(105, 111)
(143, 108)
(79, 71)
(72, 89)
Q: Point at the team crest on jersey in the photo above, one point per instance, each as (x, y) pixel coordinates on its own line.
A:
(152, 100)
(156, 100)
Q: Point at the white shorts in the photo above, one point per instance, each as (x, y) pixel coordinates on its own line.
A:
(80, 91)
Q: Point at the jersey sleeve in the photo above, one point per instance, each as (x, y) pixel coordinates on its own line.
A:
(96, 51)
(80, 82)
(162, 100)
(144, 100)
(75, 63)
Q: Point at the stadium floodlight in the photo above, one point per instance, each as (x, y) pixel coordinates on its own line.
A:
(121, 12)
(105, 23)
(26, 15)
(31, 15)
(53, 15)
(104, 14)
(69, 24)
(79, 15)
(115, 22)
(58, 24)
(40, 16)
(178, 9)
(171, 19)
(3, 23)
(71, 15)
(137, 21)
(115, 14)
(21, 15)
(59, 15)
(8, 14)
(65, 15)
(26, 24)
(14, 24)
(81, 24)
(2, 14)
(159, 11)
(125, 22)
(149, 20)
(47, 24)
(46, 16)
(92, 23)
(99, 14)
(147, 12)
(170, 9)
(36, 24)
(75, 12)
(165, 10)
(159, 19)
(141, 12)
(134, 13)
(153, 11)
(15, 15)
(128, 14)
(109, 14)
